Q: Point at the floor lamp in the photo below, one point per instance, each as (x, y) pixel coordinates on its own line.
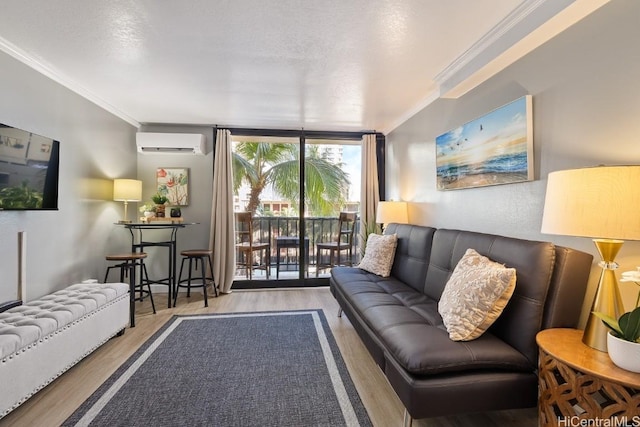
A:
(127, 190)
(602, 203)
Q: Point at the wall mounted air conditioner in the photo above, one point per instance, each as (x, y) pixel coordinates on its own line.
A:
(170, 143)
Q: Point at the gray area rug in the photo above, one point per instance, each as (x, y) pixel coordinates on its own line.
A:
(246, 369)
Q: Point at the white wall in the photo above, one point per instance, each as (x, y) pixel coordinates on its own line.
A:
(200, 192)
(68, 245)
(586, 111)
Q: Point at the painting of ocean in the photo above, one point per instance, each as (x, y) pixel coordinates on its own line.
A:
(496, 148)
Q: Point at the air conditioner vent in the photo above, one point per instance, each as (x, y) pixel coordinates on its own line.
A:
(170, 143)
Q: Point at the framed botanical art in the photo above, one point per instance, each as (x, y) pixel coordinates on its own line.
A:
(494, 149)
(174, 183)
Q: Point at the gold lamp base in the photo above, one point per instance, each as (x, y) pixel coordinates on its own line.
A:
(607, 299)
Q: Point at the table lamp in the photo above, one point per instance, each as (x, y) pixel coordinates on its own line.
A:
(602, 203)
(391, 211)
(127, 190)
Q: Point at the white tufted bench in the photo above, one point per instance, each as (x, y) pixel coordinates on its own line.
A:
(42, 339)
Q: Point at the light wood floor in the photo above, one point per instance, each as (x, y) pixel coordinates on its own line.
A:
(52, 405)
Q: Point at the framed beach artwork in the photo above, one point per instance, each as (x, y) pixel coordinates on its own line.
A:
(494, 149)
(174, 183)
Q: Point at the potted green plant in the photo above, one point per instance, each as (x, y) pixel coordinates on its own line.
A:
(160, 199)
(623, 339)
(367, 228)
(148, 210)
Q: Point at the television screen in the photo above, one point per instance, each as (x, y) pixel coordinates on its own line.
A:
(28, 170)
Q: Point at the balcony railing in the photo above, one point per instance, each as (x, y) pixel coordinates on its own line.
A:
(317, 229)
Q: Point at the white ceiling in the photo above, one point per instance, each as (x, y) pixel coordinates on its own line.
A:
(318, 64)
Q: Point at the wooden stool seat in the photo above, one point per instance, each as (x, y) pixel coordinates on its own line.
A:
(197, 252)
(193, 255)
(129, 256)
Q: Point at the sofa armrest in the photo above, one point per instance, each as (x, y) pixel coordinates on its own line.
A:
(567, 288)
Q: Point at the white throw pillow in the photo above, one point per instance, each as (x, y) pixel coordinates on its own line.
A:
(475, 295)
(379, 254)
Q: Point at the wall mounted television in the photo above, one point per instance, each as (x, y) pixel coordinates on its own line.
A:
(29, 170)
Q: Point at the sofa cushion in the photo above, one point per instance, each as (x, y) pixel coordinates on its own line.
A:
(475, 295)
(407, 322)
(534, 261)
(412, 253)
(424, 349)
(379, 254)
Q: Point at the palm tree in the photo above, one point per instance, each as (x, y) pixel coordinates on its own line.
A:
(260, 164)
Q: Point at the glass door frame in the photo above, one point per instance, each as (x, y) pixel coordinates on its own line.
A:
(302, 136)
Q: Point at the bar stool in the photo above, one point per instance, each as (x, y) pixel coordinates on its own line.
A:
(193, 255)
(127, 265)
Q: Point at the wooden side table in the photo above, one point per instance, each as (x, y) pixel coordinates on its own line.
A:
(578, 382)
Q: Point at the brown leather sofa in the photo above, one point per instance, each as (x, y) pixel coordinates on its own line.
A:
(397, 319)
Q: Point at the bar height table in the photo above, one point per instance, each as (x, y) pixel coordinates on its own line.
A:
(138, 243)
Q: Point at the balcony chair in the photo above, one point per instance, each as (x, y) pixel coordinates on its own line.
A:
(246, 247)
(342, 242)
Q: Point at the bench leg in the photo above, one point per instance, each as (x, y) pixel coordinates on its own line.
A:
(340, 312)
(132, 290)
(407, 419)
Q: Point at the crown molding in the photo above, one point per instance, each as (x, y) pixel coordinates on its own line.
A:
(22, 56)
(522, 21)
(526, 28)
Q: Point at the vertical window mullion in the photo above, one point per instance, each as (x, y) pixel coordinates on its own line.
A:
(301, 223)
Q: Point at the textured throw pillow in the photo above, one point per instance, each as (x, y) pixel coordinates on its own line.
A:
(379, 254)
(475, 295)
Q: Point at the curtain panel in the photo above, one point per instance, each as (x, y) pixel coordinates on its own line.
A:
(222, 236)
(369, 193)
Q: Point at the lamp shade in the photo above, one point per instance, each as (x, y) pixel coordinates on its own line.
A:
(599, 202)
(127, 190)
(391, 211)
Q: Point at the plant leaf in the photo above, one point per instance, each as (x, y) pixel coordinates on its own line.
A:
(609, 321)
(623, 321)
(632, 327)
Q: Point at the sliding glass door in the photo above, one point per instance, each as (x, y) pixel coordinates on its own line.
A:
(295, 202)
(332, 188)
